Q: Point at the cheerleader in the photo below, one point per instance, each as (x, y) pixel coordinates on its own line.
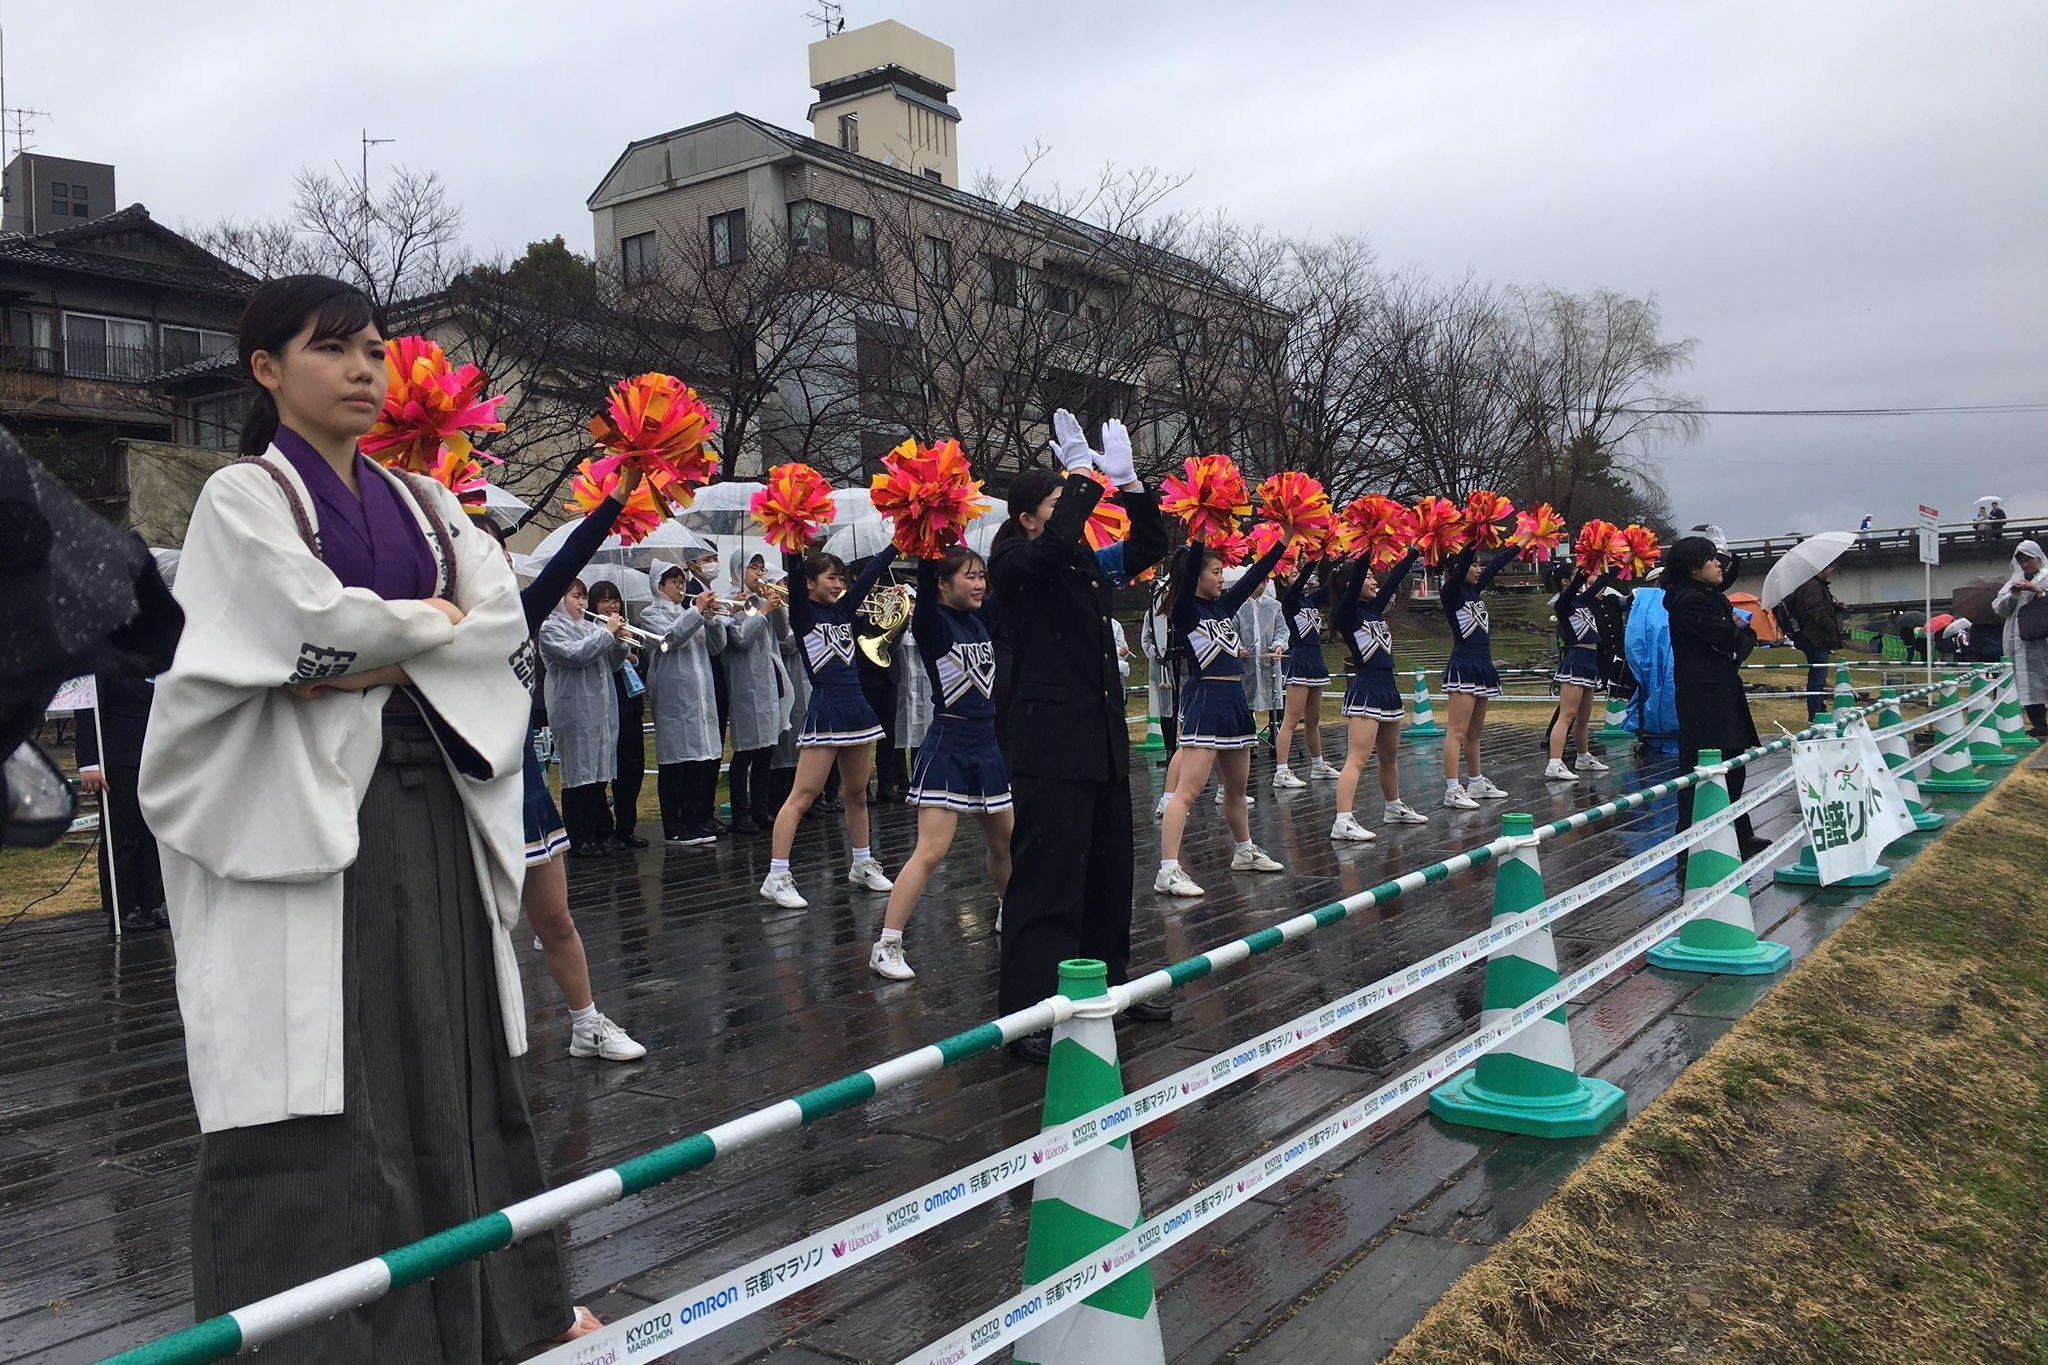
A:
(1578, 669)
(1215, 723)
(1373, 699)
(1470, 679)
(839, 726)
(960, 769)
(1304, 673)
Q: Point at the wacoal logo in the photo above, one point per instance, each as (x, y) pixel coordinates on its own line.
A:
(847, 1246)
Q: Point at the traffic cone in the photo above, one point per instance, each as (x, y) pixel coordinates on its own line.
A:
(2012, 726)
(1613, 726)
(1985, 749)
(1422, 722)
(1089, 1202)
(1531, 1083)
(1723, 937)
(1896, 756)
(1806, 871)
(1845, 691)
(1951, 769)
(1155, 738)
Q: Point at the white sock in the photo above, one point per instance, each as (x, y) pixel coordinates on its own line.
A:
(1168, 864)
(861, 855)
(892, 936)
(584, 1015)
(1243, 845)
(1343, 815)
(1474, 780)
(778, 866)
(1452, 785)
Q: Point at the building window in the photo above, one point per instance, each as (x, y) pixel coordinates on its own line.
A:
(636, 259)
(78, 208)
(215, 423)
(931, 174)
(885, 357)
(729, 237)
(849, 132)
(1056, 298)
(825, 230)
(1186, 334)
(1007, 282)
(29, 344)
(183, 345)
(98, 347)
(59, 190)
(936, 263)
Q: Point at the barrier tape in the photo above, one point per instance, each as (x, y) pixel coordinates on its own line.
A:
(1037, 1305)
(696, 1312)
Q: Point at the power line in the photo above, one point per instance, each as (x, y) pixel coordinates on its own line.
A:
(1856, 412)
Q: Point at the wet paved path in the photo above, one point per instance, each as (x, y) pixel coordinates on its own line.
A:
(742, 1003)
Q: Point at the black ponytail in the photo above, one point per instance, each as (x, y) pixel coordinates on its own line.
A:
(277, 312)
(1028, 491)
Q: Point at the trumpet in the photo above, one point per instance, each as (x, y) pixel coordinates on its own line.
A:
(660, 642)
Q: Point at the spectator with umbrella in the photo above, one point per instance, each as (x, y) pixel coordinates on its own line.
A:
(1810, 613)
(2023, 605)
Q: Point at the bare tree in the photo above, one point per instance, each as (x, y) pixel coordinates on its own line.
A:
(1461, 419)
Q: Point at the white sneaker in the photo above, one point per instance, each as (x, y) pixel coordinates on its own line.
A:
(1284, 779)
(1401, 813)
(1249, 799)
(1321, 769)
(1173, 881)
(1253, 859)
(1555, 771)
(1484, 790)
(600, 1037)
(780, 887)
(1457, 798)
(1159, 806)
(999, 914)
(887, 960)
(867, 874)
(538, 946)
(1588, 764)
(1347, 828)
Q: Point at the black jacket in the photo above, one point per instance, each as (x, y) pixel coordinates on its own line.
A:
(1708, 646)
(1815, 621)
(123, 718)
(1065, 716)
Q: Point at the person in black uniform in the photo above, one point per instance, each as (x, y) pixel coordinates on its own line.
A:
(1709, 641)
(1068, 749)
(110, 763)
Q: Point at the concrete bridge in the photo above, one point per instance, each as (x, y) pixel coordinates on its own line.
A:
(1883, 569)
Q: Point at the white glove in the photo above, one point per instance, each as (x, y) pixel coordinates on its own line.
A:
(1115, 461)
(1069, 446)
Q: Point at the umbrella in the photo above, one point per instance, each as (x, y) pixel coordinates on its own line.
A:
(510, 506)
(1802, 562)
(722, 509)
(671, 541)
(1939, 623)
(1972, 601)
(1988, 499)
(858, 539)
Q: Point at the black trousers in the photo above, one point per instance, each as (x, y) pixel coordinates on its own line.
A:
(689, 794)
(1817, 683)
(1070, 884)
(586, 817)
(632, 765)
(752, 787)
(126, 841)
(1688, 759)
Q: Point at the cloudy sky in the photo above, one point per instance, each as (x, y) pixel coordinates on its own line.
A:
(1843, 201)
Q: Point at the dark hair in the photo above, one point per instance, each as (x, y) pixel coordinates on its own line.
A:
(819, 563)
(672, 571)
(604, 587)
(1556, 576)
(957, 558)
(1027, 491)
(576, 585)
(278, 311)
(1684, 559)
(1182, 565)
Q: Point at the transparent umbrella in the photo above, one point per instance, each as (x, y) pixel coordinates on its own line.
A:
(1802, 562)
(671, 541)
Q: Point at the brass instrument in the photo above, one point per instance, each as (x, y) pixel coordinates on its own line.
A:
(660, 642)
(888, 610)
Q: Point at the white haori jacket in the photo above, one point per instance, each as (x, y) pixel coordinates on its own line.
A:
(252, 792)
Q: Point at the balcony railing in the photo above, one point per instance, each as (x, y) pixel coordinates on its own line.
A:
(92, 360)
(32, 359)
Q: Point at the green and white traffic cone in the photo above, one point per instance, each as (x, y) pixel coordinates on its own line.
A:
(1531, 1083)
(1985, 749)
(1805, 871)
(1155, 738)
(1723, 937)
(1614, 724)
(1422, 722)
(1950, 770)
(1896, 756)
(1845, 691)
(2012, 726)
(1089, 1202)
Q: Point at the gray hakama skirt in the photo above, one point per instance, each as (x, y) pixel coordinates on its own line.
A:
(434, 1129)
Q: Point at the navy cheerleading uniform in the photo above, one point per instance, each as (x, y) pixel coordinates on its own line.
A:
(959, 766)
(1213, 711)
(838, 716)
(1578, 631)
(1471, 669)
(1362, 621)
(1302, 610)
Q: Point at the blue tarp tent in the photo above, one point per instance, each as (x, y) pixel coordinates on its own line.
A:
(1653, 711)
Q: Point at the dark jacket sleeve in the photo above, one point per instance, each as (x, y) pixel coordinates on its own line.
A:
(924, 612)
(1494, 566)
(1240, 592)
(1706, 619)
(871, 575)
(800, 617)
(1180, 606)
(1391, 584)
(539, 597)
(86, 725)
(1148, 542)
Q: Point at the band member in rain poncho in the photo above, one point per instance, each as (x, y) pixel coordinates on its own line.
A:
(758, 681)
(333, 774)
(683, 700)
(1264, 637)
(580, 652)
(2023, 603)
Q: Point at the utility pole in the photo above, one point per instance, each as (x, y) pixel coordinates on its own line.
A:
(369, 142)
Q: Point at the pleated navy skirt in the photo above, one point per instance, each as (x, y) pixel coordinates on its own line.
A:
(1374, 694)
(1215, 715)
(960, 768)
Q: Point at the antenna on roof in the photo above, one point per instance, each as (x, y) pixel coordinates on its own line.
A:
(828, 17)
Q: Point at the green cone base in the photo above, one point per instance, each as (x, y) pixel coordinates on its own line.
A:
(1612, 732)
(1925, 819)
(1761, 958)
(1992, 757)
(1961, 786)
(1806, 873)
(1578, 1113)
(1151, 744)
(2021, 742)
(1429, 731)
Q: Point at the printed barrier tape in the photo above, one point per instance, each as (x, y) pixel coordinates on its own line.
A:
(698, 1311)
(1039, 1304)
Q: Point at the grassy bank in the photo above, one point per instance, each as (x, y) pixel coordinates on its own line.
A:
(1858, 1171)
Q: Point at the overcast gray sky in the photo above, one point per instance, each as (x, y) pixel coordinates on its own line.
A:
(1844, 201)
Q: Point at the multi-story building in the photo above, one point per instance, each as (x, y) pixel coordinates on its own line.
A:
(865, 295)
(44, 193)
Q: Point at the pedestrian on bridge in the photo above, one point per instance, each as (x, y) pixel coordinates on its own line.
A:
(2023, 602)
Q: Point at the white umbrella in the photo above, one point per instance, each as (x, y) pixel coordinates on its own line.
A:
(722, 509)
(1802, 562)
(671, 541)
(858, 539)
(497, 499)
(1988, 499)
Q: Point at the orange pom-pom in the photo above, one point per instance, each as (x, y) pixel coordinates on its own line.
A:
(658, 422)
(792, 506)
(429, 405)
(1379, 527)
(1643, 551)
(594, 482)
(461, 475)
(928, 495)
(1109, 524)
(1600, 546)
(1260, 540)
(1299, 503)
(1437, 528)
(1538, 531)
(1233, 547)
(1485, 513)
(1211, 499)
